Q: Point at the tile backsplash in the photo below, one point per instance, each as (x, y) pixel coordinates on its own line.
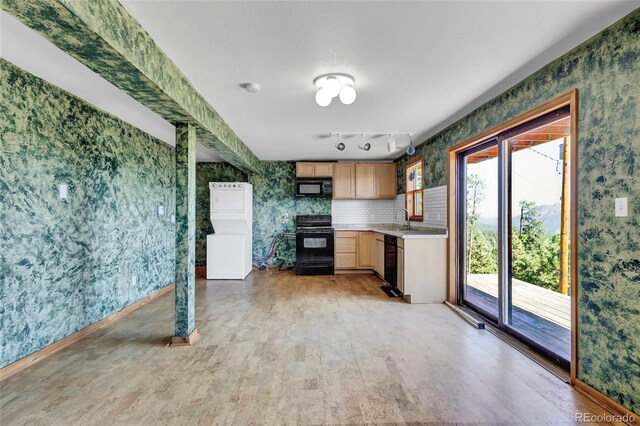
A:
(363, 211)
(383, 211)
(435, 207)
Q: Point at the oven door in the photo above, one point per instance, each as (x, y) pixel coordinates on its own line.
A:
(314, 253)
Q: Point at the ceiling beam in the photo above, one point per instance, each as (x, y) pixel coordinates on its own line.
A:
(102, 35)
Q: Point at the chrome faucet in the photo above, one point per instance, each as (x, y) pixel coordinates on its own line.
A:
(407, 226)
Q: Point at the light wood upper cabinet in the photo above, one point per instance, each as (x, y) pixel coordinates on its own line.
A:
(306, 169)
(354, 180)
(365, 180)
(365, 246)
(386, 176)
(344, 180)
(323, 169)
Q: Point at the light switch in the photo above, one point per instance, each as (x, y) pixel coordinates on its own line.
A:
(622, 209)
(160, 209)
(62, 190)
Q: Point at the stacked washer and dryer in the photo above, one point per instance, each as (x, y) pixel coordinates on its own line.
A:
(230, 247)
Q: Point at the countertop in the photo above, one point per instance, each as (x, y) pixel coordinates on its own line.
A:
(394, 229)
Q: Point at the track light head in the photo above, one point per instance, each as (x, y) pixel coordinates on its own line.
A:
(391, 143)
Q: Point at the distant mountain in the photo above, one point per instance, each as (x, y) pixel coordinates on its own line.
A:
(550, 215)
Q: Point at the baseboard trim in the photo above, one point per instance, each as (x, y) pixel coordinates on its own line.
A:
(353, 272)
(29, 360)
(189, 340)
(606, 402)
(201, 271)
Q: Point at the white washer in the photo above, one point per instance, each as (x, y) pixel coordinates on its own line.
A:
(230, 248)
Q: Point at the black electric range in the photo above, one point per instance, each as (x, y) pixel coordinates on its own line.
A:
(314, 245)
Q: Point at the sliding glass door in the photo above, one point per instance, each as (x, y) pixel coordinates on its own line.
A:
(478, 267)
(513, 239)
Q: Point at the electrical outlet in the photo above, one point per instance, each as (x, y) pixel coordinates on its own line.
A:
(134, 280)
(622, 207)
(62, 191)
(160, 209)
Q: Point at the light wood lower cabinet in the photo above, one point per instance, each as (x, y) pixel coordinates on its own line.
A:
(400, 277)
(346, 243)
(365, 249)
(423, 269)
(345, 261)
(355, 250)
(378, 253)
(422, 262)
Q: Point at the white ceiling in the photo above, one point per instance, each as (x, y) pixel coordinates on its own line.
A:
(28, 50)
(418, 66)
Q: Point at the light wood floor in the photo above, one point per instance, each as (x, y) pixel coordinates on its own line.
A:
(278, 348)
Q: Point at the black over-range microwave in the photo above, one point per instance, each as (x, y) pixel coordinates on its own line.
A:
(319, 187)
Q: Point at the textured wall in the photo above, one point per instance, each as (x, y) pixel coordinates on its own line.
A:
(606, 71)
(185, 252)
(273, 196)
(205, 173)
(102, 35)
(68, 263)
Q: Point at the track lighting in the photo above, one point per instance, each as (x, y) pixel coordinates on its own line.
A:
(328, 86)
(391, 143)
(366, 146)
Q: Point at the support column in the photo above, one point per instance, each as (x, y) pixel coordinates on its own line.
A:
(186, 332)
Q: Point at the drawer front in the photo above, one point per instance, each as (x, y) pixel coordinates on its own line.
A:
(346, 234)
(346, 245)
(345, 260)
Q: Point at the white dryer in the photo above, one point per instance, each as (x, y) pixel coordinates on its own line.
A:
(230, 247)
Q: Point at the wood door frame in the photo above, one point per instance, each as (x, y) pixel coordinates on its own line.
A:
(410, 163)
(571, 99)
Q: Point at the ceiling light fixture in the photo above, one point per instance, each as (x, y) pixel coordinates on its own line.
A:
(251, 87)
(328, 86)
(366, 146)
(340, 145)
(391, 143)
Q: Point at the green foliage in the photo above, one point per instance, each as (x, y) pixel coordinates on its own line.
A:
(484, 258)
(535, 255)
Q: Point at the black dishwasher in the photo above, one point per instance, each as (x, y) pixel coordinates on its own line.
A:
(391, 261)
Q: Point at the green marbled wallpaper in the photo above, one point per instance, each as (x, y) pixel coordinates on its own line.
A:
(205, 173)
(66, 264)
(185, 254)
(606, 71)
(273, 196)
(102, 35)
